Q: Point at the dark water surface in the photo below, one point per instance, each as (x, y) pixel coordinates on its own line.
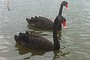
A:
(75, 39)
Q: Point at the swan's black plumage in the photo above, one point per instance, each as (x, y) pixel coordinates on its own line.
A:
(43, 22)
(35, 41)
(32, 40)
(40, 22)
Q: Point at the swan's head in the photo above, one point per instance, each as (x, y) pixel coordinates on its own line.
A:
(62, 21)
(64, 3)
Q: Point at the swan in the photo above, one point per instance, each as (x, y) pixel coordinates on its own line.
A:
(35, 41)
(45, 23)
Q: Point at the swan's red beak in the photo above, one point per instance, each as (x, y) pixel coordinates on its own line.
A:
(64, 24)
(67, 6)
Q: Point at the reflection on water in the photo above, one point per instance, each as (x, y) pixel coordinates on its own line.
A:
(23, 50)
(75, 40)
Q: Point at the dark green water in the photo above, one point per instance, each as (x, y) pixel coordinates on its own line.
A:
(75, 39)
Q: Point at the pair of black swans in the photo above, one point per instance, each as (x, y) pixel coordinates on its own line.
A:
(38, 42)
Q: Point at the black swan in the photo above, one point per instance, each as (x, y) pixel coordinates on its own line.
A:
(45, 23)
(38, 42)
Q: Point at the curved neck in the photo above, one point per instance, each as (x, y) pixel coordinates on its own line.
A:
(60, 10)
(56, 42)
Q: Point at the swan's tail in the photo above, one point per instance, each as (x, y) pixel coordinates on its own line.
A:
(16, 38)
(22, 37)
(32, 20)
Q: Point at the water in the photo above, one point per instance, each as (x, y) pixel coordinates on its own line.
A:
(75, 39)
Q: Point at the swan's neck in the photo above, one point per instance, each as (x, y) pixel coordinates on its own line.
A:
(60, 10)
(56, 42)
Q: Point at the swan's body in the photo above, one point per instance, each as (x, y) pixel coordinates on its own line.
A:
(31, 40)
(40, 22)
(34, 41)
(43, 22)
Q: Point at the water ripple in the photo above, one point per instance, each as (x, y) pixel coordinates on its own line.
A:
(3, 42)
(2, 58)
(83, 53)
(1, 36)
(87, 43)
(3, 47)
